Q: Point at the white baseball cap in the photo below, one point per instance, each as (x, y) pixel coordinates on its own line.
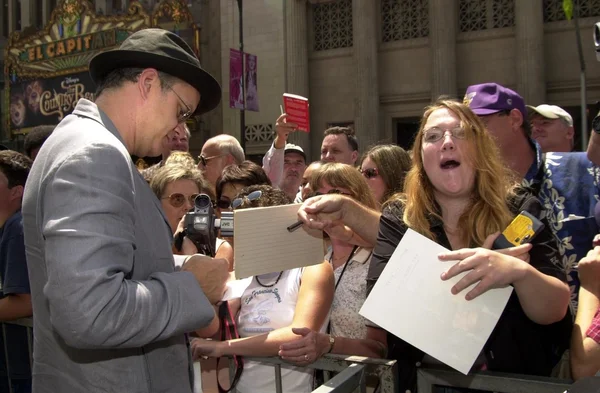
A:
(552, 112)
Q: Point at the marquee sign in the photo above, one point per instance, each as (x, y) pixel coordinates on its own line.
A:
(47, 73)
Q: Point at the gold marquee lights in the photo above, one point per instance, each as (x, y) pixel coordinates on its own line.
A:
(46, 73)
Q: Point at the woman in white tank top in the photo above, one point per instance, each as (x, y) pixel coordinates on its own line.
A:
(271, 306)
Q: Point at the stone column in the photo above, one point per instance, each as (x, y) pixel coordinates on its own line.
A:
(443, 26)
(104, 7)
(27, 15)
(365, 43)
(46, 11)
(12, 15)
(529, 37)
(296, 62)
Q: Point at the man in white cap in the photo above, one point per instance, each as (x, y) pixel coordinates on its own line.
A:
(552, 128)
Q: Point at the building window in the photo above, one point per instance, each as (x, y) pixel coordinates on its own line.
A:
(332, 24)
(404, 19)
(553, 9)
(258, 133)
(477, 15)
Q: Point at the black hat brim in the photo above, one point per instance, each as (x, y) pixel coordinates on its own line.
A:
(208, 87)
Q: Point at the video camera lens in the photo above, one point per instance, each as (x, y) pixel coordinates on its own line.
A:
(202, 201)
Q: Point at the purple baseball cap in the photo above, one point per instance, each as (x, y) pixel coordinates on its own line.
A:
(490, 98)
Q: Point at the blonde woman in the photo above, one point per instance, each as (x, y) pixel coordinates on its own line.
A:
(348, 333)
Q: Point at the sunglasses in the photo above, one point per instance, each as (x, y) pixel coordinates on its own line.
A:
(204, 160)
(177, 199)
(332, 191)
(224, 204)
(370, 173)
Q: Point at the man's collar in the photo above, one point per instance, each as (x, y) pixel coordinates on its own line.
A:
(538, 160)
(86, 108)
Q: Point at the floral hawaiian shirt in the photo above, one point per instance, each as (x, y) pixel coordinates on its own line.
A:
(567, 186)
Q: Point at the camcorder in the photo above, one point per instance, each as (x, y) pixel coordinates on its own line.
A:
(201, 226)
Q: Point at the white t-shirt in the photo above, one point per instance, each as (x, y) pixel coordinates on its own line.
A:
(266, 308)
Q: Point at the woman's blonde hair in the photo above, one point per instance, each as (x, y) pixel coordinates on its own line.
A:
(171, 172)
(344, 176)
(181, 158)
(488, 211)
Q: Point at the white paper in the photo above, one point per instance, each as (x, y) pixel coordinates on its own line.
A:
(411, 301)
(264, 245)
(235, 288)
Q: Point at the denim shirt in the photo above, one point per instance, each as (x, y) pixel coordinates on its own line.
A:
(567, 186)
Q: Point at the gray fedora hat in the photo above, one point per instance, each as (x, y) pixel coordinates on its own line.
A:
(166, 52)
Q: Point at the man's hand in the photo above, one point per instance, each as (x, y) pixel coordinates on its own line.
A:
(589, 271)
(211, 273)
(323, 211)
(282, 130)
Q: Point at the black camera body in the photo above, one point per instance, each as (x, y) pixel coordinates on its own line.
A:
(201, 225)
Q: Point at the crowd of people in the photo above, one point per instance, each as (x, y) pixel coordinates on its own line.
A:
(95, 247)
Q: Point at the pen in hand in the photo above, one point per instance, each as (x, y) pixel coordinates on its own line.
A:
(295, 226)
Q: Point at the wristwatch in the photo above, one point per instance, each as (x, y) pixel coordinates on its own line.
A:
(596, 124)
(331, 343)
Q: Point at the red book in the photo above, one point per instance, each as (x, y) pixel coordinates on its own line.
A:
(296, 109)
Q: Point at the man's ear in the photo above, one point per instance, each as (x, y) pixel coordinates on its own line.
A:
(229, 159)
(146, 81)
(516, 119)
(16, 193)
(354, 157)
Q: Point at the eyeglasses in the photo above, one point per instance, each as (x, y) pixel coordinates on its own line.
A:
(434, 134)
(182, 116)
(254, 195)
(204, 160)
(332, 191)
(178, 199)
(369, 173)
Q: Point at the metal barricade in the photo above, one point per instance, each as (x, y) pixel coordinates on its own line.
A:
(429, 378)
(352, 373)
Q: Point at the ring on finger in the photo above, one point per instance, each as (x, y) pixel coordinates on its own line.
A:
(306, 357)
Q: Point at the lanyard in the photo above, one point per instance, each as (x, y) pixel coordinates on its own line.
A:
(345, 266)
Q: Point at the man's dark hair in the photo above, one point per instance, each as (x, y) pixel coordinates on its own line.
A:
(247, 174)
(15, 167)
(120, 76)
(349, 132)
(36, 137)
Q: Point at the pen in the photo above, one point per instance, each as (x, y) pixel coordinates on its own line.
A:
(295, 226)
(281, 109)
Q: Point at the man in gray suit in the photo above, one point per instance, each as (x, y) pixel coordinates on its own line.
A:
(110, 308)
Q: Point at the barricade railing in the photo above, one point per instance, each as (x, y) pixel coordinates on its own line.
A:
(429, 377)
(352, 373)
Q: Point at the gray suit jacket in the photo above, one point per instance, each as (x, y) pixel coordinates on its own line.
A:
(109, 310)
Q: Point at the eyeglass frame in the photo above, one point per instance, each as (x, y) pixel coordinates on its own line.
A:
(445, 131)
(204, 160)
(181, 118)
(365, 172)
(191, 198)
